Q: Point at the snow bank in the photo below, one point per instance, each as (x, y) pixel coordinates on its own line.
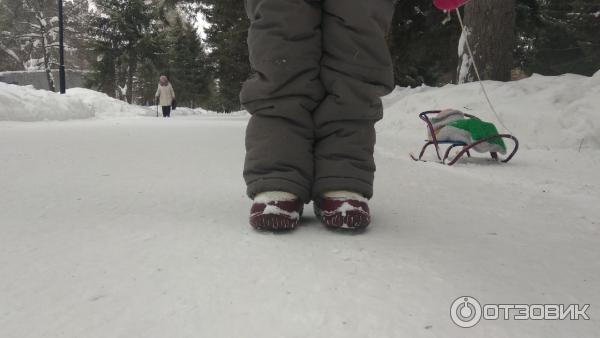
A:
(184, 111)
(542, 111)
(102, 105)
(24, 103)
(19, 103)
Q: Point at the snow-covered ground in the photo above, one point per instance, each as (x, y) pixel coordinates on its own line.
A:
(125, 225)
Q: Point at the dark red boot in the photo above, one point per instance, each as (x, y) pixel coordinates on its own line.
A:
(343, 210)
(275, 211)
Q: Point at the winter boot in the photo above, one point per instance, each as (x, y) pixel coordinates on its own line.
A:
(275, 211)
(343, 210)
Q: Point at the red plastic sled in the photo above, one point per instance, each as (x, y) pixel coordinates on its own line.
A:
(466, 147)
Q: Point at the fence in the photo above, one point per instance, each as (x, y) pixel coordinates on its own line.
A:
(38, 78)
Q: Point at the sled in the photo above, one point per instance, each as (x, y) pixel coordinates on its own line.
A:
(467, 147)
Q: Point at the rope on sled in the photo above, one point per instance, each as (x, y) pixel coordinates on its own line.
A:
(487, 97)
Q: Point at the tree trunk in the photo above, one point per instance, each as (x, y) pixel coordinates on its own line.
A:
(121, 76)
(110, 81)
(46, 54)
(490, 28)
(131, 70)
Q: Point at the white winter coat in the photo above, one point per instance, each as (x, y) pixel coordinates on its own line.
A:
(166, 94)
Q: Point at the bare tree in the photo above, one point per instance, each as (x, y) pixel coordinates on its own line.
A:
(29, 34)
(490, 28)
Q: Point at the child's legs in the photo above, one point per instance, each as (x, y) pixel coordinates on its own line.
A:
(356, 71)
(284, 41)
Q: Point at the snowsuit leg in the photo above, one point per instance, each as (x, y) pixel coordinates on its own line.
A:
(356, 70)
(284, 42)
(321, 67)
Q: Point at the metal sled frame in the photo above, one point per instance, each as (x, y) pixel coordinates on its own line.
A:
(466, 148)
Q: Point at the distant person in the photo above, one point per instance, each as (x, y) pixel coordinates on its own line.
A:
(165, 95)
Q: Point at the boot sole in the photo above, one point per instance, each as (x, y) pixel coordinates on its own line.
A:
(352, 220)
(272, 222)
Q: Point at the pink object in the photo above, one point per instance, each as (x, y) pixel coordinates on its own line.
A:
(449, 5)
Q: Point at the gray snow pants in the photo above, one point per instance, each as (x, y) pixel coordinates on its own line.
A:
(320, 68)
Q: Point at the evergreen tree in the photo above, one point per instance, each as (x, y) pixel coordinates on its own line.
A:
(121, 30)
(77, 19)
(226, 40)
(153, 62)
(136, 49)
(189, 70)
(562, 38)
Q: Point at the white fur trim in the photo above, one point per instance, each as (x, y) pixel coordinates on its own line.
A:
(345, 195)
(274, 196)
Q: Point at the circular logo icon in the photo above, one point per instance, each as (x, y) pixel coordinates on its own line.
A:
(465, 311)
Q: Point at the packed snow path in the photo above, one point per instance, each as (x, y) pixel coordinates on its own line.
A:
(138, 228)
